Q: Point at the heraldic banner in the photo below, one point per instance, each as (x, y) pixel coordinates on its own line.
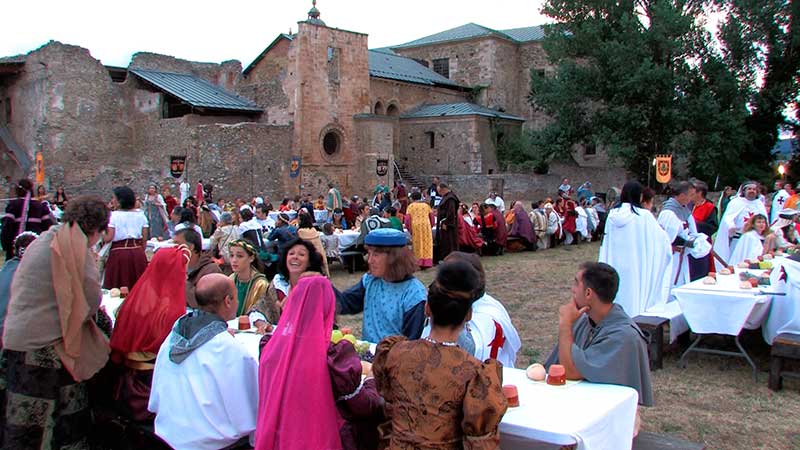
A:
(663, 168)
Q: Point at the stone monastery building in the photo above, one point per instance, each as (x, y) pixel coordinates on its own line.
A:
(438, 105)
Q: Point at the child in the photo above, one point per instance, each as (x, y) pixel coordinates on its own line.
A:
(330, 242)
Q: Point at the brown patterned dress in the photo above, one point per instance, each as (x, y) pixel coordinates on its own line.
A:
(438, 397)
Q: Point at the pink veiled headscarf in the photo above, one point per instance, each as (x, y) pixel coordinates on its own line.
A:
(294, 382)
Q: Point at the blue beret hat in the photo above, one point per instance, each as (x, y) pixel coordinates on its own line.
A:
(386, 237)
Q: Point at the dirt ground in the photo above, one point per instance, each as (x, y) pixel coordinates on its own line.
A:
(713, 401)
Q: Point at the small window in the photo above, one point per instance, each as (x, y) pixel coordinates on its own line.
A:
(442, 67)
(431, 138)
(331, 143)
(590, 149)
(422, 61)
(333, 64)
(378, 110)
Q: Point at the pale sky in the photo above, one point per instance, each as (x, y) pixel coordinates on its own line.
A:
(215, 31)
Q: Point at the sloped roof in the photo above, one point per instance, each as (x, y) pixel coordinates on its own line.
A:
(394, 67)
(196, 91)
(473, 30)
(266, 50)
(457, 109)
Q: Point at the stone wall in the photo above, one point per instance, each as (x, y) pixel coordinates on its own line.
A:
(407, 96)
(530, 187)
(264, 85)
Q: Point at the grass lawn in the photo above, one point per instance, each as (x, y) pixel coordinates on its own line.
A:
(714, 400)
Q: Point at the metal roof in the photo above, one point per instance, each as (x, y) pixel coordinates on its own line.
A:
(457, 109)
(472, 30)
(394, 67)
(196, 91)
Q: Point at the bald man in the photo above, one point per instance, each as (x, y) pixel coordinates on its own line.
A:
(205, 383)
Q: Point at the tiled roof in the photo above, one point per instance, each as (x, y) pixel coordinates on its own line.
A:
(457, 109)
(472, 30)
(266, 50)
(393, 67)
(196, 91)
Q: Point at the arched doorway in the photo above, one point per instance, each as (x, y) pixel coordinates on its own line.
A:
(378, 110)
(393, 110)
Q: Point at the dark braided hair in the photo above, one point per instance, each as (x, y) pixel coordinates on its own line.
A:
(451, 294)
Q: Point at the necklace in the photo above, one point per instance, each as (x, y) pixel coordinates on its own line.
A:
(446, 344)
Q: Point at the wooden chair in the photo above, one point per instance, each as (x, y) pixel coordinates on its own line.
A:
(785, 347)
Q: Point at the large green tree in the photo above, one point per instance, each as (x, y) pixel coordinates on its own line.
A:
(645, 77)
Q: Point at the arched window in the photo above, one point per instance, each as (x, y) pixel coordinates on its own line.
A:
(331, 143)
(378, 109)
(393, 110)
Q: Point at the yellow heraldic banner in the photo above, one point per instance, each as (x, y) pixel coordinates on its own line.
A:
(39, 168)
(663, 168)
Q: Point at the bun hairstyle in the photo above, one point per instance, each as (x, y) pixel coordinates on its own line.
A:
(451, 294)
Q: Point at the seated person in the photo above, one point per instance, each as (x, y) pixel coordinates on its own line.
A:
(188, 220)
(250, 229)
(319, 205)
(437, 395)
(283, 232)
(391, 298)
(144, 320)
(205, 384)
(200, 263)
(391, 214)
(597, 340)
(757, 239)
(304, 375)
(489, 334)
(785, 232)
(337, 219)
(263, 219)
(174, 220)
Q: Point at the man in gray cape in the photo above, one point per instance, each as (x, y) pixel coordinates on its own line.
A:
(597, 340)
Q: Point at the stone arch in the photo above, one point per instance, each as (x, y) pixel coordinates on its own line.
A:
(392, 110)
(378, 109)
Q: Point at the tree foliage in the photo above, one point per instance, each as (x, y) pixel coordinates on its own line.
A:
(646, 77)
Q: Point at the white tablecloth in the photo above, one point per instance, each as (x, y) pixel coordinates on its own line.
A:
(784, 314)
(155, 244)
(595, 416)
(110, 305)
(347, 238)
(723, 308)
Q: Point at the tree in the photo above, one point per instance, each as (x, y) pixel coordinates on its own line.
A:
(645, 77)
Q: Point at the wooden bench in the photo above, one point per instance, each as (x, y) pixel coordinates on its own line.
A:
(653, 328)
(651, 441)
(785, 347)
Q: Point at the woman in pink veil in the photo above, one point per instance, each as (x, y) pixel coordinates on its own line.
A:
(302, 375)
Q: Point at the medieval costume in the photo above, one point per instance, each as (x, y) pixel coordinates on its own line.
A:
(677, 221)
(127, 259)
(447, 225)
(23, 214)
(705, 218)
(468, 239)
(419, 220)
(738, 211)
(522, 228)
(155, 209)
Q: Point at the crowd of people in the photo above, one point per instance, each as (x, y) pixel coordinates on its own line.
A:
(166, 356)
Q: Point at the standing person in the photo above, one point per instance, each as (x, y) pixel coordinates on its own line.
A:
(433, 193)
(554, 230)
(570, 224)
(739, 210)
(779, 200)
(417, 377)
(303, 374)
(169, 201)
(488, 228)
(539, 222)
(61, 198)
(127, 232)
(50, 331)
(419, 222)
(564, 188)
(6, 276)
(725, 197)
(23, 214)
(705, 218)
(155, 209)
(501, 231)
(498, 201)
(401, 194)
(390, 296)
(446, 223)
(334, 199)
(639, 250)
(205, 383)
(184, 189)
(199, 193)
(676, 219)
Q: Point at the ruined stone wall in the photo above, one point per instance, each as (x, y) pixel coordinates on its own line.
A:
(65, 105)
(225, 75)
(328, 92)
(264, 85)
(530, 187)
(407, 96)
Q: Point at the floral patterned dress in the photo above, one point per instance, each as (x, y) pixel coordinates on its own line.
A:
(438, 397)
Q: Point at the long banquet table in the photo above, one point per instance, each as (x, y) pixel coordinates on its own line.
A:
(593, 416)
